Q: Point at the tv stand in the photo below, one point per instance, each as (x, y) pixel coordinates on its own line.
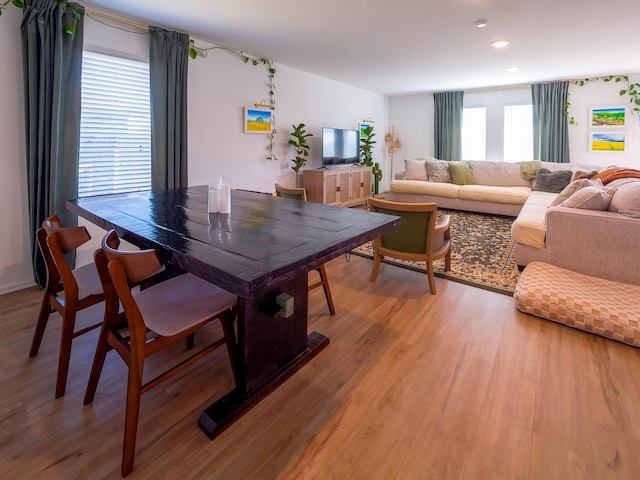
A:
(338, 186)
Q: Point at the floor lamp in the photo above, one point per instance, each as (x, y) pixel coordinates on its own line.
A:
(393, 141)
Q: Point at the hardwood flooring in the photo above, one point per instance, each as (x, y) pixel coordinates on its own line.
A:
(459, 385)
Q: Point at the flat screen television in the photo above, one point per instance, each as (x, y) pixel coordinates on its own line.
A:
(340, 146)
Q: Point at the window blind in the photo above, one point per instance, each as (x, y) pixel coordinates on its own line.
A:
(115, 126)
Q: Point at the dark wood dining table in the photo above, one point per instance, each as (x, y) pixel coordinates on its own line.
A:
(265, 247)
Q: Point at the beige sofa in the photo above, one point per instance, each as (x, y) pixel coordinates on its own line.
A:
(603, 244)
(499, 187)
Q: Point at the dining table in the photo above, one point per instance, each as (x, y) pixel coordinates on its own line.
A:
(261, 251)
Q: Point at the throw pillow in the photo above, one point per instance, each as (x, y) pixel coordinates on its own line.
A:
(553, 182)
(589, 198)
(415, 170)
(627, 200)
(438, 171)
(573, 187)
(461, 173)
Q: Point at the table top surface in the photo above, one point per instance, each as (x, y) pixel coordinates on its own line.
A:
(264, 241)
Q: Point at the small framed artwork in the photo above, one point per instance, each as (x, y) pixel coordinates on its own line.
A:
(362, 126)
(257, 120)
(604, 117)
(606, 142)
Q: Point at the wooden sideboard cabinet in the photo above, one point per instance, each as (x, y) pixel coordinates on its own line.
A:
(343, 186)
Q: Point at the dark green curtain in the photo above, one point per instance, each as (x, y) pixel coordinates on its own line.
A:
(52, 64)
(550, 129)
(447, 125)
(168, 63)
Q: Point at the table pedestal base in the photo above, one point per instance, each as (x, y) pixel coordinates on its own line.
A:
(221, 414)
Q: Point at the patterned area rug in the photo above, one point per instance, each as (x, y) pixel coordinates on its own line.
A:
(483, 254)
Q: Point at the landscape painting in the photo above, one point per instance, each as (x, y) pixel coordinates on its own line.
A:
(607, 142)
(607, 117)
(257, 120)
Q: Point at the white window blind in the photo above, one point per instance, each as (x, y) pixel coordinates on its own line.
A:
(474, 133)
(518, 133)
(115, 126)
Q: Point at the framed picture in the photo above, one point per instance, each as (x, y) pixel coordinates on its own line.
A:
(604, 117)
(362, 126)
(257, 120)
(606, 142)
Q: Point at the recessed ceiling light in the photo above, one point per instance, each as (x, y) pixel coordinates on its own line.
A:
(481, 23)
(513, 69)
(500, 43)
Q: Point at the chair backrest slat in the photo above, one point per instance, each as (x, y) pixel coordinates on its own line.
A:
(291, 192)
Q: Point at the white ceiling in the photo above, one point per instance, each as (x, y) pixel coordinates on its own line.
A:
(409, 46)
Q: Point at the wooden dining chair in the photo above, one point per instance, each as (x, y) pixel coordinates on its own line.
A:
(419, 237)
(67, 291)
(155, 317)
(301, 194)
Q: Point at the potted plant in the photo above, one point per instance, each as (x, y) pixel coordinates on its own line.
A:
(300, 146)
(366, 153)
(366, 145)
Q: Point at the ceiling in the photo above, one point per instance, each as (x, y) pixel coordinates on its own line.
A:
(410, 46)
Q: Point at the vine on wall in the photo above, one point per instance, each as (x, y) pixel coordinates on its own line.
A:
(194, 52)
(632, 90)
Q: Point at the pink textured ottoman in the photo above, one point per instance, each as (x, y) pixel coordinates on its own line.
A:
(603, 307)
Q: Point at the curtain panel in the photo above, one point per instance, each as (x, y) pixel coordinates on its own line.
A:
(52, 67)
(447, 125)
(550, 129)
(168, 63)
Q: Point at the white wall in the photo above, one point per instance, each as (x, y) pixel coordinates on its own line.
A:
(413, 117)
(602, 94)
(15, 249)
(220, 86)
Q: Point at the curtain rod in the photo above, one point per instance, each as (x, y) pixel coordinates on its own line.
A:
(116, 19)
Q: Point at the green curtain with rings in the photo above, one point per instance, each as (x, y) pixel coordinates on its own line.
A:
(168, 64)
(52, 67)
(447, 125)
(550, 129)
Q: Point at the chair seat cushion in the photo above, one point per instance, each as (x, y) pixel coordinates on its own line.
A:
(180, 303)
(88, 280)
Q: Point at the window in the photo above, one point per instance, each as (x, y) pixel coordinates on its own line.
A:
(115, 126)
(474, 133)
(518, 133)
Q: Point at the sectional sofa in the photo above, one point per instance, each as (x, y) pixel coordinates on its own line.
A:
(597, 242)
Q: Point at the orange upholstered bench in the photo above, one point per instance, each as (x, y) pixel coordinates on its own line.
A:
(595, 305)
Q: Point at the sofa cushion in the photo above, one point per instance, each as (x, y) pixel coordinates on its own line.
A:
(438, 171)
(626, 200)
(440, 189)
(461, 173)
(589, 198)
(415, 170)
(488, 193)
(552, 182)
(503, 174)
(573, 187)
(529, 228)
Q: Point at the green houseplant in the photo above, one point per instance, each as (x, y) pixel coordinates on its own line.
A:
(300, 146)
(366, 154)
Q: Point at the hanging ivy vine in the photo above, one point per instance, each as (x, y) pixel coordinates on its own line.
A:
(70, 28)
(194, 51)
(631, 89)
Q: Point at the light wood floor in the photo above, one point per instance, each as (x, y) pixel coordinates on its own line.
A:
(412, 386)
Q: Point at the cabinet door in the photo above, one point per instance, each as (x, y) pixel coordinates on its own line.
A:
(337, 186)
(361, 184)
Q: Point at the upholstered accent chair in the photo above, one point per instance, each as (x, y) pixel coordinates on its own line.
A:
(418, 238)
